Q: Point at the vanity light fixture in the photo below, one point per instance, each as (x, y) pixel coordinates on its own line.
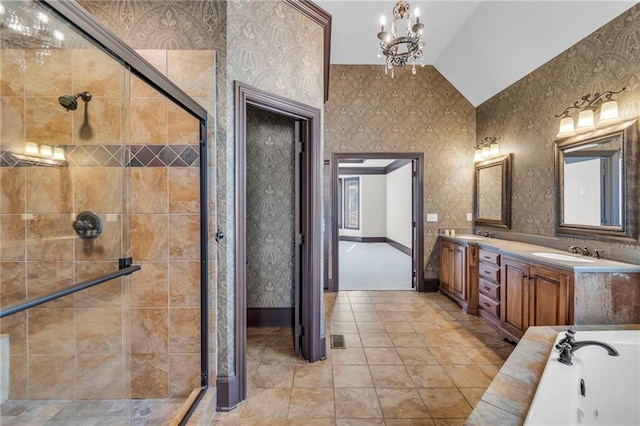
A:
(45, 155)
(588, 106)
(487, 148)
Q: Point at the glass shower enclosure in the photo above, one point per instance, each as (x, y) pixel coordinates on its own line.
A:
(89, 311)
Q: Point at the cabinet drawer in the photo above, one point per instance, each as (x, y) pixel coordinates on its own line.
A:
(489, 272)
(489, 305)
(489, 289)
(487, 256)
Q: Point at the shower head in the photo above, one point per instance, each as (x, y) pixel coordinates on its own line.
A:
(70, 102)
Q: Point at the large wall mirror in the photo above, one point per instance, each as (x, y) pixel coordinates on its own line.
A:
(492, 195)
(597, 183)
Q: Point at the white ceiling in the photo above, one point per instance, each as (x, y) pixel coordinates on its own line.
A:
(480, 46)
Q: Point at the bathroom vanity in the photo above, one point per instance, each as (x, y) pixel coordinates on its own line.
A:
(514, 285)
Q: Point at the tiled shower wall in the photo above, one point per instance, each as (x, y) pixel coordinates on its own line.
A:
(73, 347)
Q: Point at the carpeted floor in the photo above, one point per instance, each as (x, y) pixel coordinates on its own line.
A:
(373, 266)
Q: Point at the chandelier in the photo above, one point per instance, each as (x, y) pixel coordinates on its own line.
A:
(402, 48)
(23, 25)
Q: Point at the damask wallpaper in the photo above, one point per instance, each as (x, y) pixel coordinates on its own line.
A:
(369, 111)
(524, 116)
(270, 209)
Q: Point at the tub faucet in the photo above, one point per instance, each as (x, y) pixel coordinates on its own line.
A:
(568, 345)
(583, 250)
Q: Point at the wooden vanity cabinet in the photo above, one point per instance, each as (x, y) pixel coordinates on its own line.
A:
(458, 274)
(489, 287)
(532, 294)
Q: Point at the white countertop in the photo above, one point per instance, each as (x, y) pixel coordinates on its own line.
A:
(525, 251)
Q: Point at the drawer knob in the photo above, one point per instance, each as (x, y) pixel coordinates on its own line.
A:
(487, 305)
(487, 288)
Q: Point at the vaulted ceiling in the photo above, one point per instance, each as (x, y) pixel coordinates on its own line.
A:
(480, 46)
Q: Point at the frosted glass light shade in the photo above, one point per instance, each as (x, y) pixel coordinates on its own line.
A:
(486, 151)
(46, 151)
(609, 113)
(494, 148)
(58, 154)
(586, 120)
(566, 127)
(31, 148)
(477, 154)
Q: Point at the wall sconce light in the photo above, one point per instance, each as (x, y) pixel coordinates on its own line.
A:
(487, 148)
(588, 106)
(45, 155)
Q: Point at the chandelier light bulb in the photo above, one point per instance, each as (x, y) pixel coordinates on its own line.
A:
(383, 20)
(417, 13)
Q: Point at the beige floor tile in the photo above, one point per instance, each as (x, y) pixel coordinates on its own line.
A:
(406, 340)
(352, 340)
(352, 376)
(467, 376)
(490, 370)
(274, 376)
(450, 355)
(365, 307)
(417, 356)
(348, 356)
(342, 316)
(375, 340)
(313, 376)
(398, 326)
(382, 356)
(484, 355)
(311, 422)
(391, 316)
(371, 327)
(357, 403)
(446, 403)
(338, 327)
(390, 376)
(308, 403)
(402, 404)
(366, 317)
(409, 422)
(278, 355)
(473, 395)
(266, 404)
(429, 376)
(360, 422)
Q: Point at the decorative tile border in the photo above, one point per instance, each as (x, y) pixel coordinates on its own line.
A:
(119, 156)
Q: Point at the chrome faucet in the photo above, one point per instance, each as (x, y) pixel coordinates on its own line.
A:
(583, 250)
(568, 345)
(485, 234)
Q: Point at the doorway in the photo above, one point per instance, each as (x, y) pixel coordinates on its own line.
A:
(384, 224)
(301, 241)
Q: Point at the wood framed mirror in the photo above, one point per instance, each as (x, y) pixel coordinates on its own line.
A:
(492, 192)
(596, 176)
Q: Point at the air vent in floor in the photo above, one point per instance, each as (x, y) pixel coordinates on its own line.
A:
(337, 341)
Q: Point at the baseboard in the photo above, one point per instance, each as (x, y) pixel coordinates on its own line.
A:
(228, 393)
(269, 317)
(362, 239)
(430, 285)
(406, 250)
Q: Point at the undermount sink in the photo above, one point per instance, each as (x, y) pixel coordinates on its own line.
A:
(469, 237)
(565, 257)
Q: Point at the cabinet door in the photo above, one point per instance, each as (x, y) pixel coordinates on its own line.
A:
(445, 265)
(549, 296)
(514, 297)
(459, 271)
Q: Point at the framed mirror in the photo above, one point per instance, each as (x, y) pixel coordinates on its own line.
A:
(597, 183)
(492, 194)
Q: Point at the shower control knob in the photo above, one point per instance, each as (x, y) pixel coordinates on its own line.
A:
(87, 225)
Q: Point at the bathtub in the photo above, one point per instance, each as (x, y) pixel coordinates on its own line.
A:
(611, 384)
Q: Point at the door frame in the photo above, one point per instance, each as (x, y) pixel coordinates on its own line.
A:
(417, 208)
(232, 388)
